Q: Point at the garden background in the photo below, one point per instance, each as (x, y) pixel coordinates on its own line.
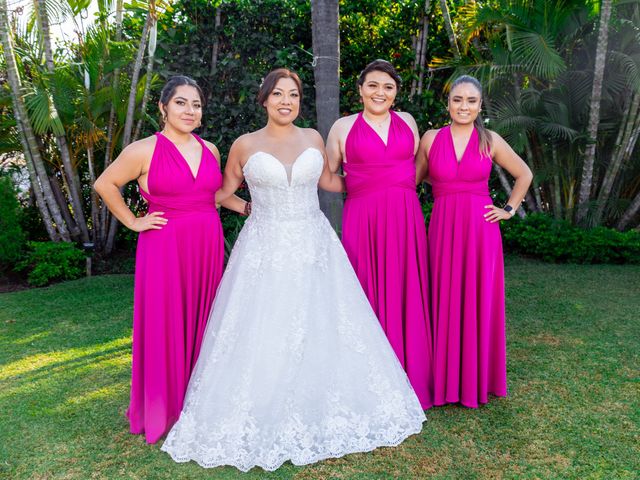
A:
(562, 85)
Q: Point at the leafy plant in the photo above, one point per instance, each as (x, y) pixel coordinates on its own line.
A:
(552, 240)
(48, 262)
(11, 234)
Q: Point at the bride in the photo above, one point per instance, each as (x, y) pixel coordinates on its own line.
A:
(294, 364)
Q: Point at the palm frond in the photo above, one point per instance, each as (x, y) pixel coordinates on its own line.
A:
(538, 54)
(42, 113)
(627, 66)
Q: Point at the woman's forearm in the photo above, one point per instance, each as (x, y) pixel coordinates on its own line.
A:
(332, 182)
(235, 203)
(112, 198)
(520, 189)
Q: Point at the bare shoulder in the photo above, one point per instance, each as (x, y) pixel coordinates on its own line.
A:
(344, 124)
(497, 142)
(243, 143)
(139, 151)
(409, 120)
(407, 117)
(212, 148)
(427, 139)
(495, 136)
(430, 135)
(313, 136)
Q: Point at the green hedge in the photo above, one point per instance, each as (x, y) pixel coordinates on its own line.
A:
(48, 262)
(12, 238)
(540, 236)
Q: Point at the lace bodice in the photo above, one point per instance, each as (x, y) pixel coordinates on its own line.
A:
(273, 196)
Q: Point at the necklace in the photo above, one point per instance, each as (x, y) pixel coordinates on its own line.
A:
(377, 124)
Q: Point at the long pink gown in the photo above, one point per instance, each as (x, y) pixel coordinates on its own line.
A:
(178, 269)
(384, 234)
(467, 277)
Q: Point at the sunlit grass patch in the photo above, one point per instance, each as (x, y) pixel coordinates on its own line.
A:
(572, 412)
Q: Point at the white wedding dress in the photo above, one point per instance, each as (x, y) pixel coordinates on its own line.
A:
(294, 364)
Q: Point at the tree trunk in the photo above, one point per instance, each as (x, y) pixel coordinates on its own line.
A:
(105, 215)
(145, 99)
(62, 202)
(213, 68)
(557, 188)
(29, 140)
(149, 76)
(624, 146)
(97, 234)
(216, 44)
(536, 184)
(131, 107)
(81, 230)
(586, 182)
(631, 211)
(40, 202)
(421, 52)
(449, 27)
(326, 53)
(506, 186)
(128, 125)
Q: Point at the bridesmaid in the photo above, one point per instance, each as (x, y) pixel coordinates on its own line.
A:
(465, 249)
(383, 227)
(179, 259)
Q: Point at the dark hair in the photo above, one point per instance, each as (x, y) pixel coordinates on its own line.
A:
(380, 66)
(272, 78)
(483, 133)
(169, 89)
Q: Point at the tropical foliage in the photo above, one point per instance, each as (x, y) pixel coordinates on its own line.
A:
(67, 109)
(537, 60)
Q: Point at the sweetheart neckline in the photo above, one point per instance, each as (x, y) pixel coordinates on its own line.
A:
(284, 165)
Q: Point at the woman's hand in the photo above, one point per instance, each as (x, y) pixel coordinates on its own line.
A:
(496, 214)
(151, 221)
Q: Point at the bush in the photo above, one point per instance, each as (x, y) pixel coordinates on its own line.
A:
(47, 262)
(12, 238)
(541, 236)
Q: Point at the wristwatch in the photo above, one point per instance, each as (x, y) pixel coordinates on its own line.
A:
(509, 209)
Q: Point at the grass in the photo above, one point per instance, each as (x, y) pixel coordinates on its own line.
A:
(573, 411)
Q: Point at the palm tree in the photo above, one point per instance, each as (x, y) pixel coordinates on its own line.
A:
(105, 215)
(421, 51)
(538, 73)
(448, 25)
(623, 68)
(586, 184)
(61, 140)
(45, 198)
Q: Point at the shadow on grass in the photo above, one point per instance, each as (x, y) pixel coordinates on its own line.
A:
(572, 413)
(25, 374)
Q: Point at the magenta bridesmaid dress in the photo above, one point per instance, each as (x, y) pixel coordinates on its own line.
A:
(384, 234)
(467, 277)
(178, 269)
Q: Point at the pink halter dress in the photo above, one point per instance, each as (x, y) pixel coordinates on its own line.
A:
(384, 234)
(178, 269)
(467, 277)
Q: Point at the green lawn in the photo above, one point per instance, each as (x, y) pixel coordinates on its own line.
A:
(573, 409)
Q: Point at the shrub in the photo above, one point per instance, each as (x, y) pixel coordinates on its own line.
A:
(12, 238)
(47, 262)
(552, 240)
